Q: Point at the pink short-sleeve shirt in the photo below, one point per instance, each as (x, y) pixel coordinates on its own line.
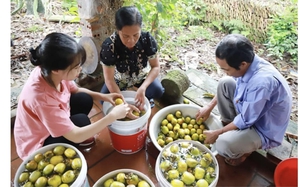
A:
(42, 111)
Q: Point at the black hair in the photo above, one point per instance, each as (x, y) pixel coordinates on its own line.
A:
(128, 16)
(235, 49)
(57, 51)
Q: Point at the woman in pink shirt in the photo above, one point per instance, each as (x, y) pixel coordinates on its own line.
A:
(51, 108)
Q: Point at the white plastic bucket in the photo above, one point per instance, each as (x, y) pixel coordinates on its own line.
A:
(163, 181)
(128, 137)
(81, 180)
(212, 122)
(113, 174)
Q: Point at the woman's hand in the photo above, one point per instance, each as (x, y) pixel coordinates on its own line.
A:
(203, 113)
(120, 111)
(140, 98)
(111, 97)
(130, 114)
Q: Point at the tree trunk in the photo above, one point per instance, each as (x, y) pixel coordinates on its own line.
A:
(175, 83)
(30, 5)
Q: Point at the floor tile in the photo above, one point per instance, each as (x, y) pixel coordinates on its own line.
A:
(233, 175)
(13, 150)
(94, 111)
(99, 150)
(263, 167)
(259, 181)
(116, 160)
(15, 164)
(96, 117)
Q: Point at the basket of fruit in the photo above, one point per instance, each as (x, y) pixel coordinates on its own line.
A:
(56, 164)
(124, 178)
(178, 121)
(186, 163)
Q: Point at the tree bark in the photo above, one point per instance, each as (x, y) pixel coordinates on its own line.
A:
(175, 83)
(30, 7)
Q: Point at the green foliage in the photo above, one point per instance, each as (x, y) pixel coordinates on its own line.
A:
(161, 16)
(71, 8)
(233, 26)
(283, 35)
(34, 28)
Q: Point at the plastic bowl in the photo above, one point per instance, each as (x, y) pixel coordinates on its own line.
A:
(159, 174)
(112, 174)
(154, 128)
(80, 181)
(286, 173)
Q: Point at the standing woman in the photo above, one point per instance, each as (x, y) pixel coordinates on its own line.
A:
(129, 58)
(51, 108)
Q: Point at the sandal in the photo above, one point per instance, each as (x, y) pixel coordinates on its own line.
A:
(152, 104)
(237, 161)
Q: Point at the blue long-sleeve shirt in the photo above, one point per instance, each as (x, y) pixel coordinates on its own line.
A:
(263, 100)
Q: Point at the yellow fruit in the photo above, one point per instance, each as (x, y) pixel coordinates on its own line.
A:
(48, 169)
(136, 113)
(68, 177)
(121, 177)
(38, 157)
(70, 153)
(188, 178)
(170, 117)
(23, 177)
(76, 163)
(31, 165)
(201, 183)
(164, 122)
(173, 174)
(186, 101)
(181, 166)
(119, 101)
(117, 184)
(60, 168)
(143, 183)
(199, 173)
(56, 159)
(34, 176)
(41, 182)
(59, 150)
(177, 183)
(108, 182)
(178, 114)
(54, 181)
(132, 179)
(191, 162)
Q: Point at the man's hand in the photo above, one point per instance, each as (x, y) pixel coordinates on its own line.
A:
(203, 113)
(211, 135)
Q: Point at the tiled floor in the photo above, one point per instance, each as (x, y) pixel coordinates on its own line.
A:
(102, 158)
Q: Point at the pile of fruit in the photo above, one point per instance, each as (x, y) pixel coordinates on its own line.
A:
(183, 164)
(123, 179)
(58, 167)
(176, 126)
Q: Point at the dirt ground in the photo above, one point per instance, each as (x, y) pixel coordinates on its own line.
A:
(23, 39)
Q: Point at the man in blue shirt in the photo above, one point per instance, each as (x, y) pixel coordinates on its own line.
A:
(254, 101)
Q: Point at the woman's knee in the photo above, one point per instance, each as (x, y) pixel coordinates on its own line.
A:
(80, 120)
(155, 90)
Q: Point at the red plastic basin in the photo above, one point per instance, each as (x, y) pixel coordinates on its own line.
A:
(286, 173)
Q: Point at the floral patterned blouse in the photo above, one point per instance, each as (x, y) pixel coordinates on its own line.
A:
(132, 66)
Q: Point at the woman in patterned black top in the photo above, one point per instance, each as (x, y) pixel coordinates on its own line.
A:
(129, 58)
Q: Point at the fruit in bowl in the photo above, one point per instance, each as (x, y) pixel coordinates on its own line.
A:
(124, 178)
(178, 121)
(52, 165)
(186, 163)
